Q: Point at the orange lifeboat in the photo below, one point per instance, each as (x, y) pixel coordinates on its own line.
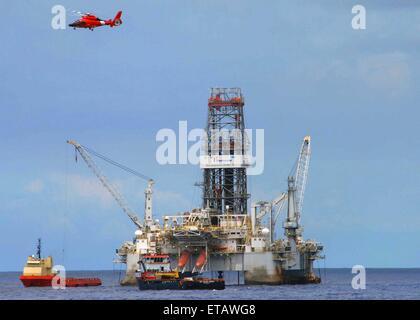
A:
(201, 260)
(183, 259)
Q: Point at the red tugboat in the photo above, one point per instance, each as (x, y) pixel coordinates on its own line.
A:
(38, 272)
(156, 274)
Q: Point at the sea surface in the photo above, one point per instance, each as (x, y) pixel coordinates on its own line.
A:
(336, 284)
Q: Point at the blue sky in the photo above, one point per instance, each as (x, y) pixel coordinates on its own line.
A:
(303, 70)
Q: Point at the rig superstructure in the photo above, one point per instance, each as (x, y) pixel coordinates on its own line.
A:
(223, 235)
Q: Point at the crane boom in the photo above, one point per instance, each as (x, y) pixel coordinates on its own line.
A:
(268, 207)
(111, 188)
(302, 173)
(279, 202)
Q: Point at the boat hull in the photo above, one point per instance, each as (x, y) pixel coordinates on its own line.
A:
(46, 281)
(36, 281)
(203, 285)
(180, 284)
(158, 285)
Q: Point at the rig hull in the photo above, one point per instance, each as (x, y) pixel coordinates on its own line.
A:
(256, 268)
(222, 234)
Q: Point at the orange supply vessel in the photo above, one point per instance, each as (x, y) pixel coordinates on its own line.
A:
(38, 272)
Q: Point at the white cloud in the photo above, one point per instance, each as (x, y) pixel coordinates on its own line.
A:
(389, 71)
(83, 199)
(88, 188)
(35, 186)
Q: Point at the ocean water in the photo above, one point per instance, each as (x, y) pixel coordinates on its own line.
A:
(336, 284)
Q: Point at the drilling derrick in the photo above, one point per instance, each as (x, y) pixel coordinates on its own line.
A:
(225, 153)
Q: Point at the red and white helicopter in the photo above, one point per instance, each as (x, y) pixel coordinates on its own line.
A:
(89, 21)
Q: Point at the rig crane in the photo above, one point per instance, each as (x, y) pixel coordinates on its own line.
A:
(294, 196)
(84, 153)
(301, 175)
(296, 190)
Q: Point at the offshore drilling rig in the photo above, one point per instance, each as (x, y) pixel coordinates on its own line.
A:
(223, 235)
